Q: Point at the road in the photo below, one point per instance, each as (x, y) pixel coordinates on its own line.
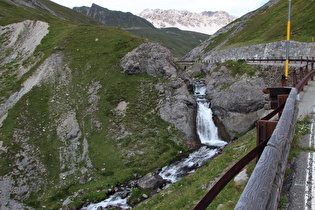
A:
(300, 185)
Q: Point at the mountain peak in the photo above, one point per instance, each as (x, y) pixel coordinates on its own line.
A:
(206, 22)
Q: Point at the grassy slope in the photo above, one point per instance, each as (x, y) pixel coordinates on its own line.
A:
(271, 25)
(189, 190)
(179, 42)
(13, 13)
(90, 61)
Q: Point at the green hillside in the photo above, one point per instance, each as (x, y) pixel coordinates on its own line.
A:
(269, 24)
(11, 13)
(86, 87)
(178, 41)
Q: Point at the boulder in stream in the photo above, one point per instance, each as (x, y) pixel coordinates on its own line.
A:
(151, 181)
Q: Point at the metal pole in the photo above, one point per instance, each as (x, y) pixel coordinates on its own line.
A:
(286, 73)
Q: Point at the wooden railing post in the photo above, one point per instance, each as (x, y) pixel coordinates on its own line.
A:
(283, 81)
(265, 129)
(301, 73)
(294, 78)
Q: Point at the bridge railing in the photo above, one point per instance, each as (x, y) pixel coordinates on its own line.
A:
(264, 186)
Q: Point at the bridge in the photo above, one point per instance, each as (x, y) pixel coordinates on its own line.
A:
(274, 138)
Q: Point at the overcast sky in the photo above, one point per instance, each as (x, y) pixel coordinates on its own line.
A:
(234, 7)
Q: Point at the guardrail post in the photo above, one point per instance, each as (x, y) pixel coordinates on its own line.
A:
(265, 129)
(294, 78)
(283, 81)
(301, 73)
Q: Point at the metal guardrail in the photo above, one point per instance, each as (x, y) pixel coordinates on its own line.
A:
(263, 188)
(296, 60)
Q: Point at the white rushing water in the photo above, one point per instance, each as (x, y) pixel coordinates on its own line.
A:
(208, 135)
(196, 159)
(118, 200)
(206, 129)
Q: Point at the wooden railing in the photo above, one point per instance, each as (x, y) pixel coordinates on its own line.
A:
(264, 186)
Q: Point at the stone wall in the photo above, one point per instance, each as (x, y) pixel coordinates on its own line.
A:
(267, 50)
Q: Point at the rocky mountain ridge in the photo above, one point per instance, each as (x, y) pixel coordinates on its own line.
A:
(125, 20)
(178, 41)
(206, 22)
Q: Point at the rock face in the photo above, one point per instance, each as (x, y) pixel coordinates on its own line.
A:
(114, 18)
(177, 106)
(236, 101)
(151, 58)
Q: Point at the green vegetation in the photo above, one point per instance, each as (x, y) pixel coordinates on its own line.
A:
(219, 39)
(10, 13)
(189, 190)
(153, 141)
(238, 68)
(88, 85)
(270, 25)
(137, 195)
(302, 128)
(177, 41)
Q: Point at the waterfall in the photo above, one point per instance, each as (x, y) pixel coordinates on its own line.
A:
(208, 134)
(206, 129)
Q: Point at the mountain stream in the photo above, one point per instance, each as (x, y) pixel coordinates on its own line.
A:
(208, 135)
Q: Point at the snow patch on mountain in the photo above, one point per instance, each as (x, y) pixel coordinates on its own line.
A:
(206, 22)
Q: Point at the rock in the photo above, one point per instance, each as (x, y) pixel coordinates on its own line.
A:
(67, 202)
(82, 181)
(236, 99)
(151, 181)
(241, 179)
(151, 58)
(221, 207)
(73, 133)
(178, 108)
